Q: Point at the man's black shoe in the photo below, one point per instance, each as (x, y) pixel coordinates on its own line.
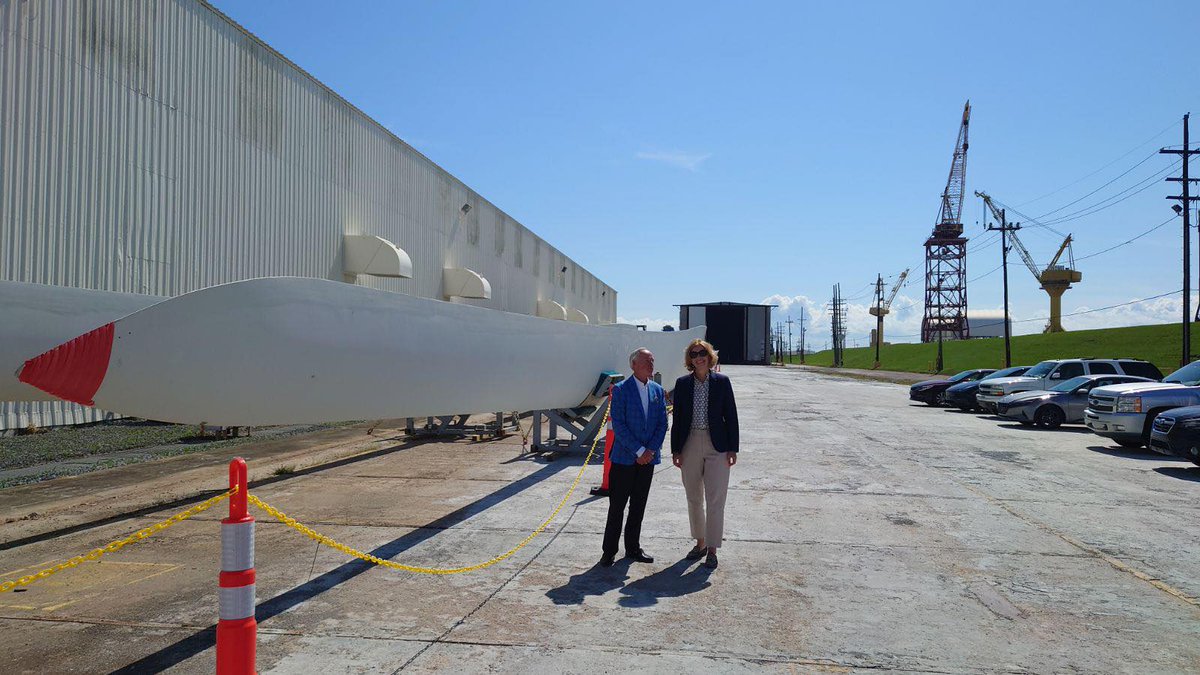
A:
(639, 556)
(606, 560)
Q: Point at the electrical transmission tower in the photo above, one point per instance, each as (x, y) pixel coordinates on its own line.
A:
(946, 254)
(838, 324)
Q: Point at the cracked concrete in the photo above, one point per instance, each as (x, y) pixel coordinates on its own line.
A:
(864, 534)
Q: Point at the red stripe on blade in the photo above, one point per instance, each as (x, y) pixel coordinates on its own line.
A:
(73, 370)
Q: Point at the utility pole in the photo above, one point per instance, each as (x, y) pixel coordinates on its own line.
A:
(940, 362)
(789, 342)
(878, 316)
(1004, 229)
(779, 341)
(1184, 208)
(801, 333)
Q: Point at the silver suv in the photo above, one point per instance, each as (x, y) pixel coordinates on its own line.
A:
(1125, 412)
(1049, 373)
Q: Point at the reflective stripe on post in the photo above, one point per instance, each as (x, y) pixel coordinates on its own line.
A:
(237, 603)
(237, 630)
(237, 546)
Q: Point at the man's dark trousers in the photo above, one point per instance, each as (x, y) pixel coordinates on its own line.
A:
(627, 483)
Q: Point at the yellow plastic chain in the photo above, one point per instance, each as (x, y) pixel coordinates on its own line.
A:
(96, 554)
(207, 504)
(322, 539)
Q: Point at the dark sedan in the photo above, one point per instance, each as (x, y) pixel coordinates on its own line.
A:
(933, 392)
(1178, 432)
(1064, 403)
(962, 395)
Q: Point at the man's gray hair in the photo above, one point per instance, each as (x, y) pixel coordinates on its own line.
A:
(640, 350)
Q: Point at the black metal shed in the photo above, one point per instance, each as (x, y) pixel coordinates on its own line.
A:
(741, 332)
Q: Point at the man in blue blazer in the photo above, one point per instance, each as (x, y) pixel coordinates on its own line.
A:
(639, 420)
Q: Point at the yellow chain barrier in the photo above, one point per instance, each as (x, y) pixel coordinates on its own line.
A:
(143, 533)
(96, 554)
(322, 539)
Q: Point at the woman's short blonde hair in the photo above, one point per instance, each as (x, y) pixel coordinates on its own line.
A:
(712, 354)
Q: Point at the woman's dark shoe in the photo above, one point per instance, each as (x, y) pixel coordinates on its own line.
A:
(711, 561)
(696, 553)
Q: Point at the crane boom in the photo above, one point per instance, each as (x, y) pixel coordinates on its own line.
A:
(949, 221)
(1065, 244)
(895, 289)
(1055, 279)
(987, 201)
(946, 254)
(1028, 259)
(1033, 268)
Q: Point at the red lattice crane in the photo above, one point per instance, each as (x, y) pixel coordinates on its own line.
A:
(946, 254)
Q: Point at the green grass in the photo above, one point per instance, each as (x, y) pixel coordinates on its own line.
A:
(1160, 345)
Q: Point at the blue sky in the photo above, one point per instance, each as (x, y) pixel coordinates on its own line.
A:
(690, 152)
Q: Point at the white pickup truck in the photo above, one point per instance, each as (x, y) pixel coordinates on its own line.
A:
(1049, 373)
(1126, 412)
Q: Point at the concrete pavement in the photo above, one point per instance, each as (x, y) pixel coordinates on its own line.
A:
(863, 533)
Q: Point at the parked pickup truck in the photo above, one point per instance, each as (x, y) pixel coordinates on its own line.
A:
(1125, 412)
(1049, 373)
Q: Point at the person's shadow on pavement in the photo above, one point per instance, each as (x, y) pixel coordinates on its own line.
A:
(596, 580)
(672, 582)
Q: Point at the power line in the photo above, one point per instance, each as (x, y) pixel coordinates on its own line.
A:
(986, 243)
(988, 273)
(1128, 241)
(1030, 220)
(1127, 153)
(1143, 185)
(1122, 175)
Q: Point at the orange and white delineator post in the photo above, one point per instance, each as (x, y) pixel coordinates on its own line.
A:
(237, 631)
(602, 489)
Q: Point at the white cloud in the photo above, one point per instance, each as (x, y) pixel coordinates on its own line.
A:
(903, 323)
(650, 324)
(1168, 309)
(677, 158)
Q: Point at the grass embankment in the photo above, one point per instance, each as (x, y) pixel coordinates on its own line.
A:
(1160, 345)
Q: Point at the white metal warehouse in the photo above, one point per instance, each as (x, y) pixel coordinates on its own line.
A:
(156, 147)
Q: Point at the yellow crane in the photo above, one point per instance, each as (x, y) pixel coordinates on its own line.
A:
(1055, 279)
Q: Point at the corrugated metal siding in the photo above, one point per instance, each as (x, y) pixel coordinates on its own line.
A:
(154, 146)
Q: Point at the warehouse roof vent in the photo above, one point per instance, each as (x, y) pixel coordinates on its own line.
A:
(460, 282)
(368, 254)
(549, 309)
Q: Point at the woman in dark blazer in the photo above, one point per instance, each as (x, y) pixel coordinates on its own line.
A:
(704, 445)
